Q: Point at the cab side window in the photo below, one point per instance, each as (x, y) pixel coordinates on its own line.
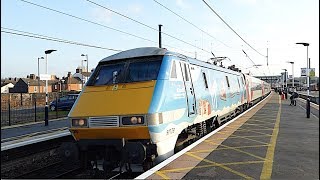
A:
(173, 70)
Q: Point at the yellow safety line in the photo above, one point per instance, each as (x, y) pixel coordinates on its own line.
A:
(269, 129)
(236, 150)
(251, 136)
(267, 165)
(238, 147)
(246, 138)
(254, 131)
(220, 165)
(234, 137)
(264, 122)
(210, 165)
(160, 173)
(259, 125)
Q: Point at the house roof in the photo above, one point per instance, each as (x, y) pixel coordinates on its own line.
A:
(6, 83)
(34, 82)
(72, 80)
(86, 74)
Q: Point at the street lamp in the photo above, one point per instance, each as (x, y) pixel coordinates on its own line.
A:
(291, 62)
(285, 77)
(46, 122)
(86, 60)
(308, 65)
(39, 74)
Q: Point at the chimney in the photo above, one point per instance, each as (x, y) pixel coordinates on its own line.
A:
(69, 74)
(15, 79)
(32, 76)
(53, 77)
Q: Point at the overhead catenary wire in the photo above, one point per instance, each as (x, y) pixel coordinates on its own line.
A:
(231, 28)
(143, 24)
(86, 20)
(190, 23)
(48, 38)
(99, 24)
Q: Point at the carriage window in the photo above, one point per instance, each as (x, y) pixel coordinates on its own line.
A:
(205, 79)
(227, 81)
(238, 82)
(186, 72)
(173, 70)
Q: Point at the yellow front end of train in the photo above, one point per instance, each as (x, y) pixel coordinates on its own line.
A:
(109, 118)
(100, 112)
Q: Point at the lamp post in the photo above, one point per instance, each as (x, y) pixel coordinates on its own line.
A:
(285, 78)
(39, 74)
(46, 122)
(308, 66)
(86, 60)
(291, 62)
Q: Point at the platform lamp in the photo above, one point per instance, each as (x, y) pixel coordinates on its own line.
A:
(86, 60)
(308, 86)
(39, 74)
(46, 122)
(285, 77)
(308, 65)
(291, 62)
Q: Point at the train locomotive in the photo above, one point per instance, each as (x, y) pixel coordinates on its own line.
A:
(140, 105)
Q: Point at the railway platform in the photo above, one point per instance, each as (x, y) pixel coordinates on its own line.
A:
(271, 141)
(25, 134)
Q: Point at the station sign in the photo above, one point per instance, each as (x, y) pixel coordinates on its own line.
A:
(304, 72)
(312, 72)
(45, 77)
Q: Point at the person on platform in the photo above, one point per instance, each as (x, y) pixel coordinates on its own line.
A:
(293, 97)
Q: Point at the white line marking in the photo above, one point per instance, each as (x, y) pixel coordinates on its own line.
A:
(310, 111)
(175, 156)
(32, 141)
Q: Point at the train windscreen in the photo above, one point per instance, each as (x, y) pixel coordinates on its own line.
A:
(126, 71)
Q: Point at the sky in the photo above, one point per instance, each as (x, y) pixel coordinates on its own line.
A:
(276, 25)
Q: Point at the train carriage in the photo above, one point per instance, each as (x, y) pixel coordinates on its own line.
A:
(140, 104)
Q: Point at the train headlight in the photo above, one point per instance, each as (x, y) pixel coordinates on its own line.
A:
(133, 120)
(79, 122)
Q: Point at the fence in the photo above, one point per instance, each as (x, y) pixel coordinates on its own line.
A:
(20, 108)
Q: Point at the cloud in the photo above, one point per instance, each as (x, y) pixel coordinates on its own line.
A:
(102, 15)
(246, 1)
(182, 4)
(135, 8)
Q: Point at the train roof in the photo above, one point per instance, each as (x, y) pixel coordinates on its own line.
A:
(155, 51)
(137, 52)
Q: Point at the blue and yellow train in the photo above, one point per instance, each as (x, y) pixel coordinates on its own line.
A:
(140, 104)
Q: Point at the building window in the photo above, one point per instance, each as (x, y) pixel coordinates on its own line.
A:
(35, 88)
(55, 87)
